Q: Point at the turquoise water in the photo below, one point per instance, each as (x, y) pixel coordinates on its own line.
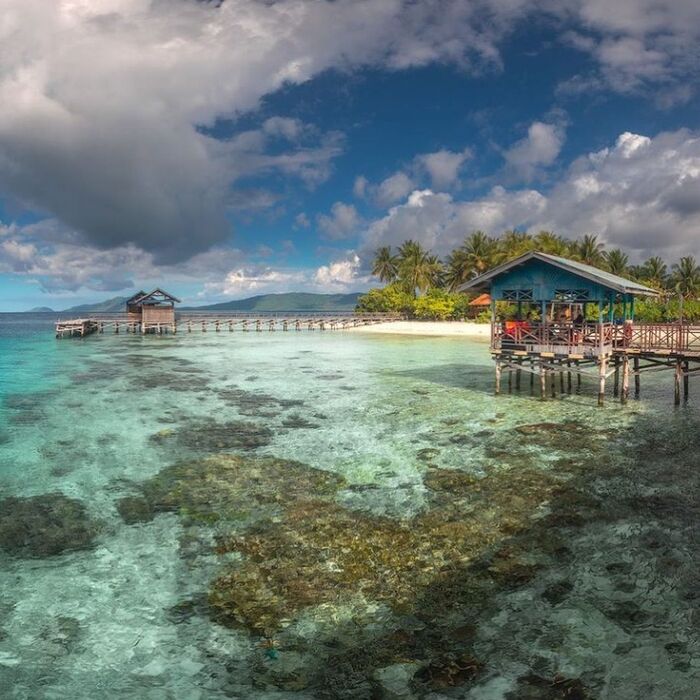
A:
(555, 544)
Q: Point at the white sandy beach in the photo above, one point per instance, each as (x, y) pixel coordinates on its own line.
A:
(435, 328)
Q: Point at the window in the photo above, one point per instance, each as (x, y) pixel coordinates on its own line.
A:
(517, 295)
(571, 295)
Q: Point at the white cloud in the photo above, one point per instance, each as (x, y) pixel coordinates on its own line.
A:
(539, 148)
(341, 275)
(343, 221)
(641, 193)
(301, 220)
(393, 189)
(443, 166)
(103, 102)
(359, 188)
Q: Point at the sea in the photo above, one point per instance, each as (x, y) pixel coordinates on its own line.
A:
(336, 515)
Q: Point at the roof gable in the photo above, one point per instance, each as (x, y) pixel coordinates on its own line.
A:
(156, 296)
(588, 272)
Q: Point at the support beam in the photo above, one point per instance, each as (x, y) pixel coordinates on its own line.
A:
(601, 380)
(625, 379)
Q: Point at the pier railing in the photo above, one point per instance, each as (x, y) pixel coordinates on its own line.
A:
(595, 339)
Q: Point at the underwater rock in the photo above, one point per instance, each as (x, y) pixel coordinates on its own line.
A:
(294, 420)
(394, 682)
(448, 671)
(557, 592)
(534, 687)
(212, 437)
(42, 526)
(427, 454)
(60, 635)
(135, 509)
(230, 488)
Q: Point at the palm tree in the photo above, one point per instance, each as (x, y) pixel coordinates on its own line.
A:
(589, 250)
(481, 250)
(654, 272)
(512, 244)
(385, 264)
(417, 269)
(617, 262)
(548, 242)
(459, 269)
(686, 277)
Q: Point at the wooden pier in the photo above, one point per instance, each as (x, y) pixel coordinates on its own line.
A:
(541, 309)
(199, 323)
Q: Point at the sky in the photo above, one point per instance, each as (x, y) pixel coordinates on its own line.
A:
(226, 148)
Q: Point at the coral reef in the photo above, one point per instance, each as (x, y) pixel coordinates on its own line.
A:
(42, 526)
(212, 437)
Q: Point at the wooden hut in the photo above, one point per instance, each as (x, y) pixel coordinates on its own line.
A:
(557, 311)
(154, 311)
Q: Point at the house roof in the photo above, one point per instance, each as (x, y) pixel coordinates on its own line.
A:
(601, 277)
(157, 295)
(481, 300)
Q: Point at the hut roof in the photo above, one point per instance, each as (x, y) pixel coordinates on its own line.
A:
(481, 300)
(155, 297)
(601, 277)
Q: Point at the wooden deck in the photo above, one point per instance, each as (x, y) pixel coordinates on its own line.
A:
(597, 350)
(215, 323)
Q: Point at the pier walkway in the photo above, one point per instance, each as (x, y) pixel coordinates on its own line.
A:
(187, 323)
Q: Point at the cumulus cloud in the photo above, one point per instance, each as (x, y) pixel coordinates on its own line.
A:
(359, 188)
(538, 149)
(641, 193)
(107, 106)
(443, 166)
(393, 189)
(342, 222)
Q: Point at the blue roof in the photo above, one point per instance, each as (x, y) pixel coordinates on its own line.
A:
(601, 277)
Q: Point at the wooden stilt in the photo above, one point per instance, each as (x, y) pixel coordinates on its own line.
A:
(543, 382)
(625, 379)
(637, 379)
(518, 372)
(686, 380)
(510, 379)
(498, 378)
(561, 380)
(616, 380)
(677, 383)
(568, 376)
(532, 376)
(602, 366)
(578, 377)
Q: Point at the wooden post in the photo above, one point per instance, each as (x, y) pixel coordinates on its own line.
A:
(625, 379)
(543, 381)
(602, 366)
(578, 377)
(686, 380)
(510, 378)
(561, 379)
(616, 381)
(677, 383)
(517, 376)
(553, 374)
(568, 376)
(637, 379)
(532, 376)
(498, 377)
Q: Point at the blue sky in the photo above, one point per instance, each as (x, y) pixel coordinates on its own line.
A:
(249, 148)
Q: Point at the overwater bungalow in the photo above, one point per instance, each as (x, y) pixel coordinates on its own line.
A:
(550, 314)
(153, 311)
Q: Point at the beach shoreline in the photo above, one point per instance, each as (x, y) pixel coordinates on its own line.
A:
(427, 328)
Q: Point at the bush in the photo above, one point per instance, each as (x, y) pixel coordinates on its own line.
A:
(437, 304)
(392, 298)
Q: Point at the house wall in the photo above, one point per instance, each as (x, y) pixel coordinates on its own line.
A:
(158, 314)
(544, 279)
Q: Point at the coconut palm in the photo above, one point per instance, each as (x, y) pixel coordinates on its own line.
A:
(686, 277)
(616, 261)
(512, 244)
(654, 272)
(589, 250)
(548, 242)
(417, 269)
(481, 250)
(459, 269)
(385, 264)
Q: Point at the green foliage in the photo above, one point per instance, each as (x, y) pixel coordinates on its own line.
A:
(437, 304)
(392, 298)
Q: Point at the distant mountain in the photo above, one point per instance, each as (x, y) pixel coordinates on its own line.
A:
(41, 310)
(108, 306)
(292, 301)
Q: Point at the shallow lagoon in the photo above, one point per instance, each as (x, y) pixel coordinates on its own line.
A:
(302, 515)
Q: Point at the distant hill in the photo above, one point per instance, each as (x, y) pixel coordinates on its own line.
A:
(41, 310)
(292, 301)
(115, 304)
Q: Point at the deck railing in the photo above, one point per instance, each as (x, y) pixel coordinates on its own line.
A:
(594, 339)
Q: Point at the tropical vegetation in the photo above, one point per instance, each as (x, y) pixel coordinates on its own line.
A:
(421, 285)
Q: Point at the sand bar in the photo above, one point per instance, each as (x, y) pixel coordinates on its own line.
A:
(434, 328)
